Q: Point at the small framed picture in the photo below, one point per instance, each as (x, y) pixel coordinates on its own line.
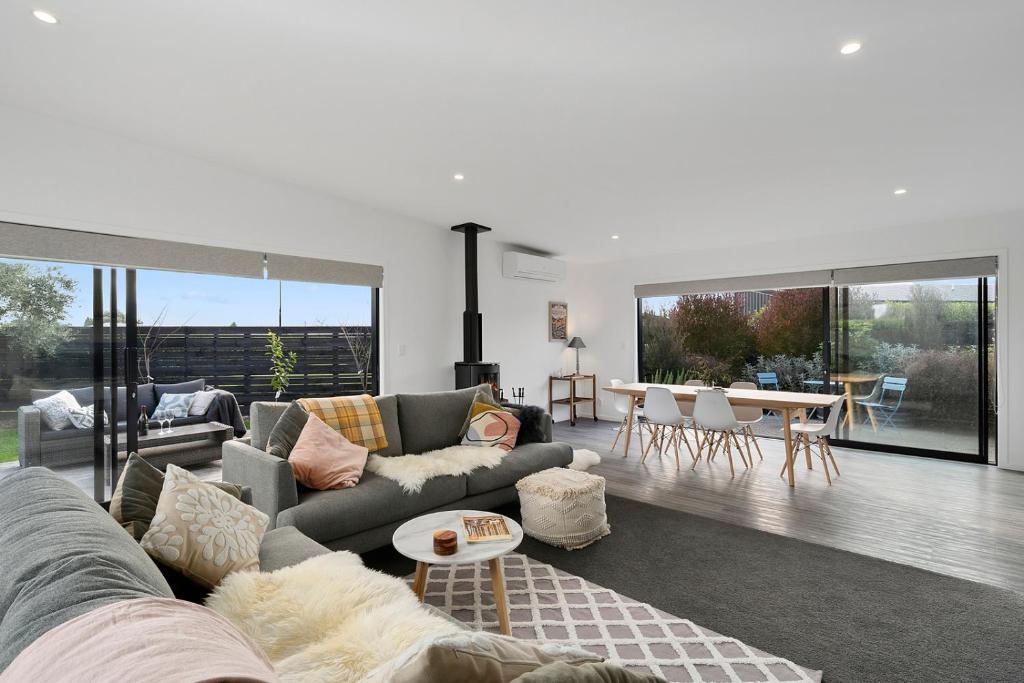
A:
(558, 318)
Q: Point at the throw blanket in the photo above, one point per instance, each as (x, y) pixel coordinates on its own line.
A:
(328, 618)
(412, 471)
(225, 410)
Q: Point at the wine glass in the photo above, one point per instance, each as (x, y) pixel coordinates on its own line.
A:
(168, 416)
(158, 415)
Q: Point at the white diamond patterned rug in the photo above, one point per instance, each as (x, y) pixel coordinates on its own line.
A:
(548, 604)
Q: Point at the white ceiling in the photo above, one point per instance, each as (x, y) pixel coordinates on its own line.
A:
(676, 124)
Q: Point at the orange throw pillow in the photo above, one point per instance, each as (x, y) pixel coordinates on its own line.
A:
(324, 459)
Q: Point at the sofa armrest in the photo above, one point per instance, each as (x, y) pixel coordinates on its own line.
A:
(30, 427)
(270, 478)
(545, 426)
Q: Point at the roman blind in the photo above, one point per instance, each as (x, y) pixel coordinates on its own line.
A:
(949, 269)
(811, 278)
(75, 246)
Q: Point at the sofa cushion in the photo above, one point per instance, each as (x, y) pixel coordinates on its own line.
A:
(61, 555)
(83, 395)
(432, 421)
(286, 546)
(190, 387)
(285, 433)
(356, 417)
(147, 398)
(388, 406)
(518, 463)
(326, 516)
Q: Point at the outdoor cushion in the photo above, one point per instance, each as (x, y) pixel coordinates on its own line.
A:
(433, 421)
(175, 404)
(388, 406)
(61, 555)
(83, 395)
(328, 515)
(189, 387)
(518, 463)
(56, 410)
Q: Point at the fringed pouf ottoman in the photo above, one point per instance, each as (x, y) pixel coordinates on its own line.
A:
(563, 508)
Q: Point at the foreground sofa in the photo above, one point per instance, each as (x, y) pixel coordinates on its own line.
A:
(62, 555)
(365, 517)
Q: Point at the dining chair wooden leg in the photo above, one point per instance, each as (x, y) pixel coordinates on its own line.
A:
(753, 437)
(650, 443)
(791, 457)
(824, 464)
(682, 437)
(622, 426)
(674, 440)
(739, 448)
(728, 452)
(828, 449)
(807, 451)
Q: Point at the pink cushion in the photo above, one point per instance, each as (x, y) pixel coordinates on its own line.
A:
(148, 640)
(324, 459)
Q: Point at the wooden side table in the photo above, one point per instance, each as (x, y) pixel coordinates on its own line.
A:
(573, 400)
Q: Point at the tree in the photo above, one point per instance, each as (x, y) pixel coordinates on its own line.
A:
(33, 303)
(282, 364)
(715, 326)
(153, 340)
(361, 347)
(791, 324)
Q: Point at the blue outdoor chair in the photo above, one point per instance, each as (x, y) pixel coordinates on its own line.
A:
(769, 381)
(884, 401)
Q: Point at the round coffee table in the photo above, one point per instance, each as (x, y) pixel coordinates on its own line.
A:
(415, 540)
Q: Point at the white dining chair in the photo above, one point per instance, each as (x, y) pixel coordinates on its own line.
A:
(747, 416)
(686, 408)
(620, 402)
(713, 414)
(662, 415)
(821, 432)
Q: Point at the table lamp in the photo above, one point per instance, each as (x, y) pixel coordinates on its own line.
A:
(577, 343)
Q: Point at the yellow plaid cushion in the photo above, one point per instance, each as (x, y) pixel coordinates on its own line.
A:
(356, 417)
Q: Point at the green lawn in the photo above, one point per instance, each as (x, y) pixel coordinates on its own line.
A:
(8, 445)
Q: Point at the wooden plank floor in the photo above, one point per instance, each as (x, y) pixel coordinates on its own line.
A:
(954, 518)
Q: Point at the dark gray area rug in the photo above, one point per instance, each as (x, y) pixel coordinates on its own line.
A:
(855, 617)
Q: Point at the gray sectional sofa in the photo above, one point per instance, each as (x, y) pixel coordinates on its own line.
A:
(62, 555)
(365, 517)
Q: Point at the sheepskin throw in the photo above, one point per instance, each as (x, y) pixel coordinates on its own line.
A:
(563, 508)
(328, 618)
(412, 471)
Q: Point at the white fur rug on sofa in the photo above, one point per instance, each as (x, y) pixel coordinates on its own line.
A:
(328, 618)
(413, 471)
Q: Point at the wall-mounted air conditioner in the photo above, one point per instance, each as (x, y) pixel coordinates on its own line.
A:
(522, 266)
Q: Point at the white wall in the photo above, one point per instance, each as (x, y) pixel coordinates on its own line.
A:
(515, 321)
(63, 175)
(605, 310)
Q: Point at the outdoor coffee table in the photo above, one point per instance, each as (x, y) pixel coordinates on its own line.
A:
(184, 445)
(415, 540)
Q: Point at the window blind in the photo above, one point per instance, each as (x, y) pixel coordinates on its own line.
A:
(812, 278)
(949, 269)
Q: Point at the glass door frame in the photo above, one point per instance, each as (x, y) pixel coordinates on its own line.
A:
(833, 317)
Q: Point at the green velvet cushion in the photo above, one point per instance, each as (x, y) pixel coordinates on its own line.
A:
(285, 433)
(138, 490)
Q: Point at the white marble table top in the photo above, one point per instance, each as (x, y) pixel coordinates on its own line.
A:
(415, 539)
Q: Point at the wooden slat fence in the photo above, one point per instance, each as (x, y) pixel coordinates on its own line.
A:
(230, 358)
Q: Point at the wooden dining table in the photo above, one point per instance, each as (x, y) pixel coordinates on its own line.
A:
(787, 403)
(849, 380)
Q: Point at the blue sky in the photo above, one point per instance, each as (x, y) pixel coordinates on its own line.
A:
(214, 300)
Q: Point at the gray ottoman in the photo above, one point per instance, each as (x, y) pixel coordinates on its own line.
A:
(563, 508)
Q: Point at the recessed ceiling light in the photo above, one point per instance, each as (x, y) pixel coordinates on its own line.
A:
(615, 237)
(44, 16)
(850, 48)
(458, 176)
(900, 191)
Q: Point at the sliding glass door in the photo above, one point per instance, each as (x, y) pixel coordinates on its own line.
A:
(910, 348)
(915, 361)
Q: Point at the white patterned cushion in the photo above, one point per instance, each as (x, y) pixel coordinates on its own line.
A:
(176, 404)
(84, 418)
(202, 531)
(202, 402)
(56, 409)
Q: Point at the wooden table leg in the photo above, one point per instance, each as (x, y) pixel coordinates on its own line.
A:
(419, 583)
(802, 415)
(498, 587)
(629, 425)
(572, 402)
(786, 417)
(849, 405)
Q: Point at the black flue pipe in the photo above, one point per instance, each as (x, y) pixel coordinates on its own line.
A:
(472, 320)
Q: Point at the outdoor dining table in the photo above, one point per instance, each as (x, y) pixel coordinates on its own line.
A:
(848, 380)
(787, 403)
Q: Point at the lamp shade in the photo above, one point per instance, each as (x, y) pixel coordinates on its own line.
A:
(576, 343)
